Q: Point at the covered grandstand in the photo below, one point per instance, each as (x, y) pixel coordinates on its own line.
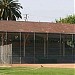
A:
(36, 42)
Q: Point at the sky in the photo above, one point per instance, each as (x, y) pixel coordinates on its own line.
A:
(46, 10)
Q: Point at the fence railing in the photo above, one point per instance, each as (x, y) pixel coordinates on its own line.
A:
(15, 59)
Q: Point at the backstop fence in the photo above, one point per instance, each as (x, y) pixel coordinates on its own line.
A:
(21, 48)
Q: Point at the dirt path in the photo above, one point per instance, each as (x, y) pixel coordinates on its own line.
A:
(41, 65)
(45, 65)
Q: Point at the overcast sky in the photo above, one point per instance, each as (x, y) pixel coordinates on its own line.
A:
(46, 10)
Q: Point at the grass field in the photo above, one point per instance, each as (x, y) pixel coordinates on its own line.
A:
(36, 71)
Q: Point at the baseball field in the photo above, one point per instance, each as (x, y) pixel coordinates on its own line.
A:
(36, 71)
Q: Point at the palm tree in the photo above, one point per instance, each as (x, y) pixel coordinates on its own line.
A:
(10, 10)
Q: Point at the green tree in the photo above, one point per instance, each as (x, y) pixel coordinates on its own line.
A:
(10, 10)
(69, 19)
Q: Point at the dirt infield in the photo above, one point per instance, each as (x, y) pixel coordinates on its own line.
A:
(45, 65)
(41, 65)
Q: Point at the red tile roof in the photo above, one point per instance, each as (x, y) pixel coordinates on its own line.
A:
(43, 27)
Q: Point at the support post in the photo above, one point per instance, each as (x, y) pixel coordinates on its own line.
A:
(11, 54)
(2, 55)
(24, 45)
(72, 43)
(20, 48)
(6, 52)
(60, 44)
(47, 45)
(63, 46)
(34, 47)
(44, 47)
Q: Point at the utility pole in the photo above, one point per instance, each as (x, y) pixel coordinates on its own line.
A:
(26, 17)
